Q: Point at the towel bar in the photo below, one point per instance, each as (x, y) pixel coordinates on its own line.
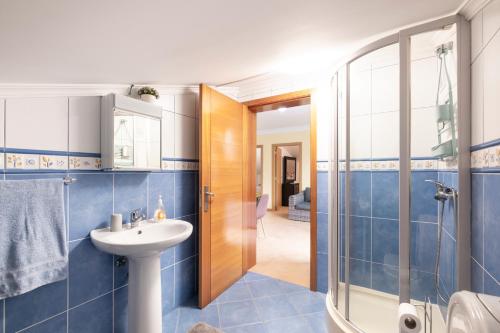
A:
(69, 180)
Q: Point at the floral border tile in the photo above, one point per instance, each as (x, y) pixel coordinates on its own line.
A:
(486, 158)
(22, 161)
(53, 162)
(186, 166)
(168, 165)
(388, 165)
(322, 166)
(84, 163)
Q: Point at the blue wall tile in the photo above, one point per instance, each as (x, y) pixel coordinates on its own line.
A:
(385, 195)
(342, 192)
(360, 238)
(422, 285)
(57, 324)
(322, 233)
(385, 278)
(167, 289)
(385, 238)
(361, 193)
(161, 183)
(37, 305)
(131, 192)
(185, 280)
(477, 283)
(491, 286)
(492, 225)
(120, 273)
(423, 205)
(322, 192)
(95, 316)
(322, 276)
(477, 218)
(187, 248)
(186, 185)
(90, 272)
(360, 273)
(423, 246)
(167, 257)
(120, 306)
(90, 202)
(447, 263)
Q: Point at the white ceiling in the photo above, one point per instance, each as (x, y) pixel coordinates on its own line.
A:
(187, 42)
(291, 119)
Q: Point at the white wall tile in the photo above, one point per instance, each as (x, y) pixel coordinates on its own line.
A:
(423, 132)
(491, 84)
(84, 124)
(491, 20)
(476, 27)
(385, 135)
(167, 102)
(186, 104)
(477, 98)
(37, 123)
(360, 91)
(385, 89)
(2, 125)
(361, 137)
(185, 137)
(424, 79)
(168, 135)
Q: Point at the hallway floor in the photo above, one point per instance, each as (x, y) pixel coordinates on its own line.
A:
(283, 252)
(256, 304)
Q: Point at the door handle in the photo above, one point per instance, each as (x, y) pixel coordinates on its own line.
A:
(208, 195)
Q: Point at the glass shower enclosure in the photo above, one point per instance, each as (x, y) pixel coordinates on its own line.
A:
(402, 126)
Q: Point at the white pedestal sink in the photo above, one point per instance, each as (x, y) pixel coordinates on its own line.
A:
(143, 245)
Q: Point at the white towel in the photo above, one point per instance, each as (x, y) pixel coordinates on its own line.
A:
(33, 249)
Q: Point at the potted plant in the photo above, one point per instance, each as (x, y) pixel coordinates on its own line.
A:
(148, 94)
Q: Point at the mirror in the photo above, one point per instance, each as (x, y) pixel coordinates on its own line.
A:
(136, 141)
(130, 134)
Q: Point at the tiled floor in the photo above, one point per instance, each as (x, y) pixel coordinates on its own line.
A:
(257, 303)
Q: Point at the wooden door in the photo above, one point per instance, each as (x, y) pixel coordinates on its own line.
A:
(227, 194)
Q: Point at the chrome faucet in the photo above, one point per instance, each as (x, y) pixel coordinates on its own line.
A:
(136, 217)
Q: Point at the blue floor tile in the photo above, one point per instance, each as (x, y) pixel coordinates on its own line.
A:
(274, 307)
(238, 313)
(251, 276)
(289, 325)
(169, 322)
(237, 292)
(307, 302)
(190, 315)
(317, 322)
(252, 328)
(261, 288)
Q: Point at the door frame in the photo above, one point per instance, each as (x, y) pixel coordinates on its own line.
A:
(261, 147)
(276, 181)
(297, 98)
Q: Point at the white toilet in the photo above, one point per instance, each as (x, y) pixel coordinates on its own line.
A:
(473, 313)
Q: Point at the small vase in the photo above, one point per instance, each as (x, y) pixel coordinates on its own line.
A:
(148, 98)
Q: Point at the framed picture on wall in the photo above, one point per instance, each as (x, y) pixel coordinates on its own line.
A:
(289, 169)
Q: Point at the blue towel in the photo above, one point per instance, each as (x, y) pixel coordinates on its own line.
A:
(33, 249)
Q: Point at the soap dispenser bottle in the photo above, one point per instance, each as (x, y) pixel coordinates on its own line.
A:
(160, 211)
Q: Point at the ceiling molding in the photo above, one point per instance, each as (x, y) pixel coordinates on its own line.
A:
(56, 90)
(283, 130)
(471, 7)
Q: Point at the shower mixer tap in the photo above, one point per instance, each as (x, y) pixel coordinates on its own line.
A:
(443, 192)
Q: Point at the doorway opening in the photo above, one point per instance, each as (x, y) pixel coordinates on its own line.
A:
(285, 173)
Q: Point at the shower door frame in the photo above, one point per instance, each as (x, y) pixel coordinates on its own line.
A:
(403, 39)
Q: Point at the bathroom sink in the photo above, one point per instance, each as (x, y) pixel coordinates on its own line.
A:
(142, 246)
(145, 240)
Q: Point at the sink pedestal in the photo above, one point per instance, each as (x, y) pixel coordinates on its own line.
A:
(144, 295)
